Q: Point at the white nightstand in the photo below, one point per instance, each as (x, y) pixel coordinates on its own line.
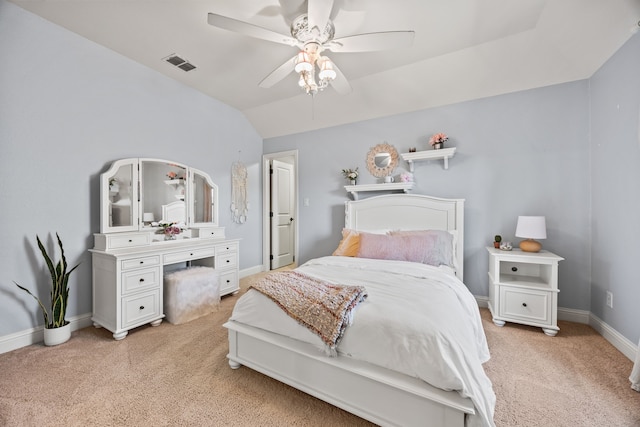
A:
(523, 288)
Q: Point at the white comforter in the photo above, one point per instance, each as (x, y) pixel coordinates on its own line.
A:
(418, 320)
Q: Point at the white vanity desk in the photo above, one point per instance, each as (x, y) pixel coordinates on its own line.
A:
(128, 281)
(130, 255)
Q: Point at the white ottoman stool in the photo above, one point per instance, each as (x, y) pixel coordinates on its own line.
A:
(190, 293)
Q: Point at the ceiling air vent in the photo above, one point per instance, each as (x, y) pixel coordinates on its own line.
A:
(179, 62)
(187, 66)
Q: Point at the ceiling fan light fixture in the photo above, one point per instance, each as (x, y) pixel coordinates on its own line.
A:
(303, 62)
(326, 69)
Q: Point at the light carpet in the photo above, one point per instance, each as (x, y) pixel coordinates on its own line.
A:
(178, 375)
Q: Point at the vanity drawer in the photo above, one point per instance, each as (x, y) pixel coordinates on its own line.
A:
(139, 279)
(187, 255)
(229, 282)
(227, 248)
(140, 308)
(226, 261)
(121, 240)
(147, 261)
(526, 305)
(211, 233)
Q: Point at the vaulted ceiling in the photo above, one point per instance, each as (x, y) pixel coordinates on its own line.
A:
(462, 50)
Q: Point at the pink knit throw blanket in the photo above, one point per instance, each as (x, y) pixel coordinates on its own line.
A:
(324, 308)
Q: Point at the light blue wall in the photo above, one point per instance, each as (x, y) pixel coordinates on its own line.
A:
(615, 179)
(525, 153)
(69, 107)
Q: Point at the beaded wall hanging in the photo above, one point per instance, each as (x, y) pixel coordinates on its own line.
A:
(239, 203)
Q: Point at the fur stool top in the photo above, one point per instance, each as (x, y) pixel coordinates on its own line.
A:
(191, 293)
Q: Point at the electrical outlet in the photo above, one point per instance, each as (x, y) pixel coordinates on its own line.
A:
(609, 299)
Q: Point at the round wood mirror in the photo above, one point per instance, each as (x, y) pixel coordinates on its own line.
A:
(382, 160)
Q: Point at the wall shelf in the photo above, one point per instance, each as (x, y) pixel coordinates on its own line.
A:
(391, 186)
(445, 154)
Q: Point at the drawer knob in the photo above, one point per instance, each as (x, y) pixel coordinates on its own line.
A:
(228, 260)
(142, 307)
(141, 280)
(141, 262)
(228, 281)
(130, 240)
(524, 304)
(191, 254)
(514, 269)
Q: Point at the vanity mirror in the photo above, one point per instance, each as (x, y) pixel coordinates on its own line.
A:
(136, 193)
(382, 160)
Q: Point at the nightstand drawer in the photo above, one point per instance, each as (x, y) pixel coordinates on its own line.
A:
(141, 308)
(525, 305)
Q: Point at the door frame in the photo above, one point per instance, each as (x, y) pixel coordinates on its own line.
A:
(266, 201)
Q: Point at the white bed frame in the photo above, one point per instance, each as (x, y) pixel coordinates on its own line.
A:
(379, 395)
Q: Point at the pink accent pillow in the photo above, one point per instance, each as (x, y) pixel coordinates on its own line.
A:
(440, 245)
(433, 247)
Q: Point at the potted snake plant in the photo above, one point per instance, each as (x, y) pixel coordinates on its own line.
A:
(57, 329)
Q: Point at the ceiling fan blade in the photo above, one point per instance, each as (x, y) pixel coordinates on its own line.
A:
(372, 42)
(247, 29)
(340, 83)
(279, 73)
(318, 13)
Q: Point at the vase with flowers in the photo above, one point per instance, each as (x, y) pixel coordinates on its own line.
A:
(351, 175)
(437, 140)
(170, 229)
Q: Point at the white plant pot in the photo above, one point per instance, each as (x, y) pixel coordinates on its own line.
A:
(55, 336)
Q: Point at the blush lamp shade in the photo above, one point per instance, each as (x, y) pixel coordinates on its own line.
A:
(531, 228)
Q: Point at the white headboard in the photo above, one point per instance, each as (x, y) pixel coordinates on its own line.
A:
(409, 212)
(174, 212)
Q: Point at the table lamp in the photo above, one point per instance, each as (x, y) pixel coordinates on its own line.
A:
(147, 217)
(530, 228)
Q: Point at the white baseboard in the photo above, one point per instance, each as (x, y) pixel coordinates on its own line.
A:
(483, 302)
(614, 337)
(36, 335)
(251, 270)
(573, 315)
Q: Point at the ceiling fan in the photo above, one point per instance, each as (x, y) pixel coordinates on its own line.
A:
(313, 33)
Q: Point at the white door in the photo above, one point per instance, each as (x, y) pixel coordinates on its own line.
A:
(282, 209)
